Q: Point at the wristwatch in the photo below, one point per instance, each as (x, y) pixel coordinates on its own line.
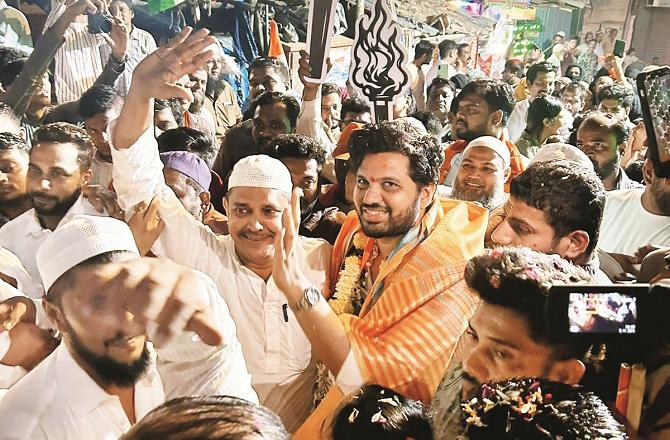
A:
(310, 298)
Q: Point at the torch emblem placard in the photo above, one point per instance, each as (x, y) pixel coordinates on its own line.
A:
(378, 59)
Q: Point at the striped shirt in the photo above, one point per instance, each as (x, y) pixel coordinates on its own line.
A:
(140, 45)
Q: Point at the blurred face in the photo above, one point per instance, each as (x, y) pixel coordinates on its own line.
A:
(510, 78)
(481, 178)
(572, 44)
(213, 67)
(543, 85)
(304, 175)
(555, 125)
(558, 39)
(163, 121)
(331, 105)
(592, 46)
(439, 100)
(270, 121)
(185, 192)
(599, 37)
(614, 108)
(387, 200)
(600, 145)
(122, 11)
(527, 226)
(498, 345)
(349, 117)
(115, 347)
(42, 96)
(464, 55)
(54, 179)
(574, 73)
(13, 169)
(572, 102)
(264, 79)
(589, 36)
(185, 82)
(96, 127)
(198, 83)
(474, 118)
(254, 217)
(659, 188)
(400, 107)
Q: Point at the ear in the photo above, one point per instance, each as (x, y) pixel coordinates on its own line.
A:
(569, 371)
(225, 205)
(577, 243)
(86, 177)
(507, 173)
(621, 148)
(546, 122)
(205, 198)
(55, 314)
(648, 172)
(497, 117)
(427, 193)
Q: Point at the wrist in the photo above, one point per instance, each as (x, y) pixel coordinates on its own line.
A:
(296, 294)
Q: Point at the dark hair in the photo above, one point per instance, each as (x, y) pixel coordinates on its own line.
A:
(329, 88)
(187, 139)
(581, 70)
(11, 70)
(9, 141)
(441, 82)
(424, 152)
(10, 54)
(463, 46)
(269, 98)
(430, 121)
(97, 100)
(62, 133)
(7, 112)
(600, 120)
(497, 94)
(515, 67)
(297, 146)
(536, 69)
(445, 47)
(519, 279)
(129, 3)
(265, 62)
(354, 105)
(376, 412)
(619, 92)
(545, 186)
(542, 107)
(558, 411)
(634, 171)
(423, 47)
(208, 418)
(66, 280)
(173, 105)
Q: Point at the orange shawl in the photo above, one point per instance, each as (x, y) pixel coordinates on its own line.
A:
(405, 340)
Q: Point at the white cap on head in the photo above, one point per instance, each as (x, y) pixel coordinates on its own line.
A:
(81, 238)
(261, 171)
(558, 151)
(491, 143)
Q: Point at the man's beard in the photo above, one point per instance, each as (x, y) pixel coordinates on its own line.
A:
(661, 197)
(608, 168)
(198, 101)
(60, 208)
(396, 226)
(107, 369)
(489, 200)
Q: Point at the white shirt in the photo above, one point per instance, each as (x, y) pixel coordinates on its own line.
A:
(58, 400)
(23, 235)
(10, 265)
(517, 120)
(277, 352)
(627, 225)
(101, 172)
(311, 125)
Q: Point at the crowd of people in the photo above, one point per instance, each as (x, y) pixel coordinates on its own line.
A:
(176, 265)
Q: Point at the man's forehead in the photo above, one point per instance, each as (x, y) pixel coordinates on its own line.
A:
(523, 212)
(253, 196)
(272, 110)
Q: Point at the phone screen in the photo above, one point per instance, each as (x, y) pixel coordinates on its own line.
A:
(603, 312)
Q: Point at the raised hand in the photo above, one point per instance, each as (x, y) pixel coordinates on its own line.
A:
(118, 38)
(156, 75)
(287, 267)
(146, 225)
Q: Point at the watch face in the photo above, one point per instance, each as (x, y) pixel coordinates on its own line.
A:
(312, 296)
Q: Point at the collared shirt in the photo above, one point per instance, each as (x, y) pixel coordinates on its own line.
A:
(23, 235)
(101, 172)
(14, 28)
(58, 400)
(625, 182)
(517, 120)
(277, 352)
(140, 45)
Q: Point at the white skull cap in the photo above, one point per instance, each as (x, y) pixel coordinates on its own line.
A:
(81, 238)
(261, 171)
(491, 143)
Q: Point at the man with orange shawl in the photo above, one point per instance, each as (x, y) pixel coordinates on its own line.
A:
(401, 254)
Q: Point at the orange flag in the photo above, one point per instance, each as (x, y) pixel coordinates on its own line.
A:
(276, 50)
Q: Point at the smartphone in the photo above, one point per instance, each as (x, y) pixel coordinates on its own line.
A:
(597, 313)
(99, 23)
(654, 90)
(619, 48)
